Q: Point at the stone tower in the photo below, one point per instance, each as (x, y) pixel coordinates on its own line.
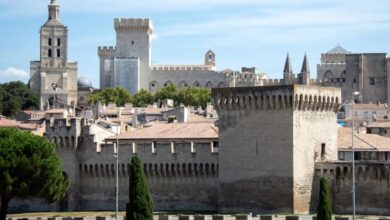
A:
(128, 65)
(270, 138)
(287, 72)
(53, 78)
(209, 59)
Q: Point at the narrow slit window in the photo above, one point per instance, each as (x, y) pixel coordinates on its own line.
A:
(49, 42)
(58, 42)
(49, 52)
(58, 53)
(323, 148)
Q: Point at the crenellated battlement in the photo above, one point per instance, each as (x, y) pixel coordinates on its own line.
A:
(106, 51)
(152, 170)
(133, 24)
(331, 65)
(364, 171)
(296, 97)
(180, 68)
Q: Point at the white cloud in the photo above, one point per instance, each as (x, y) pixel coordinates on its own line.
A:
(14, 72)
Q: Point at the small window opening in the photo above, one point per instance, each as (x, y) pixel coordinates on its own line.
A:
(132, 42)
(58, 53)
(49, 42)
(323, 150)
(58, 42)
(49, 52)
(372, 81)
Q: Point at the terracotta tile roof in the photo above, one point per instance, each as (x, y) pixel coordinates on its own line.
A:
(379, 124)
(362, 142)
(370, 106)
(56, 111)
(161, 131)
(6, 123)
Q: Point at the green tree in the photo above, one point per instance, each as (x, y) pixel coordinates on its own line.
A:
(29, 167)
(140, 205)
(16, 96)
(143, 98)
(324, 211)
(168, 92)
(118, 95)
(192, 96)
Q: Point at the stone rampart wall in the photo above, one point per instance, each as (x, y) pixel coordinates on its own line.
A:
(372, 186)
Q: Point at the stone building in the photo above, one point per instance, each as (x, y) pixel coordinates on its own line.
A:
(129, 63)
(367, 73)
(266, 155)
(53, 78)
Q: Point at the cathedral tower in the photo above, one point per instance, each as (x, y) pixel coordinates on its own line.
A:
(53, 78)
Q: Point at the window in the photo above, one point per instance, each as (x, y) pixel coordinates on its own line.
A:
(323, 150)
(81, 98)
(153, 85)
(58, 53)
(132, 42)
(365, 115)
(58, 42)
(372, 81)
(49, 42)
(341, 155)
(354, 80)
(49, 52)
(343, 80)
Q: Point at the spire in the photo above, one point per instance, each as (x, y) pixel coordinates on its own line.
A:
(54, 11)
(305, 65)
(287, 65)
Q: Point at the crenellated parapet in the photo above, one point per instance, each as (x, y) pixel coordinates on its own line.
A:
(234, 103)
(152, 170)
(133, 24)
(365, 171)
(106, 51)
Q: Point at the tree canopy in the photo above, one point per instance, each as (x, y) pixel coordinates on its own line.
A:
(16, 96)
(29, 167)
(189, 96)
(118, 95)
(324, 211)
(140, 205)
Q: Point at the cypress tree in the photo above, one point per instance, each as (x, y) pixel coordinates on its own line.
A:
(324, 211)
(140, 205)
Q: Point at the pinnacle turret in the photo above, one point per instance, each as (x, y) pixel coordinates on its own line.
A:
(287, 65)
(54, 12)
(305, 65)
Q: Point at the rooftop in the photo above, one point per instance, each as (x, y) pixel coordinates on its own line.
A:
(167, 131)
(362, 142)
(338, 50)
(379, 124)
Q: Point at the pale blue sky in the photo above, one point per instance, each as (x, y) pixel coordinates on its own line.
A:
(241, 32)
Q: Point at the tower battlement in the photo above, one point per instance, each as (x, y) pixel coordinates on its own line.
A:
(296, 97)
(106, 51)
(133, 24)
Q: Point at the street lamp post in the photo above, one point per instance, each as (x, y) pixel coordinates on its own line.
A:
(353, 158)
(116, 170)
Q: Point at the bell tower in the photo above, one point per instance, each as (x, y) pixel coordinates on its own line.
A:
(54, 38)
(53, 78)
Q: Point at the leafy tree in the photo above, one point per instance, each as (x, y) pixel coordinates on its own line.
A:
(192, 96)
(143, 98)
(118, 95)
(16, 96)
(29, 167)
(324, 211)
(140, 205)
(167, 92)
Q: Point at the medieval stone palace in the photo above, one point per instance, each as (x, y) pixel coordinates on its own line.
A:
(261, 149)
